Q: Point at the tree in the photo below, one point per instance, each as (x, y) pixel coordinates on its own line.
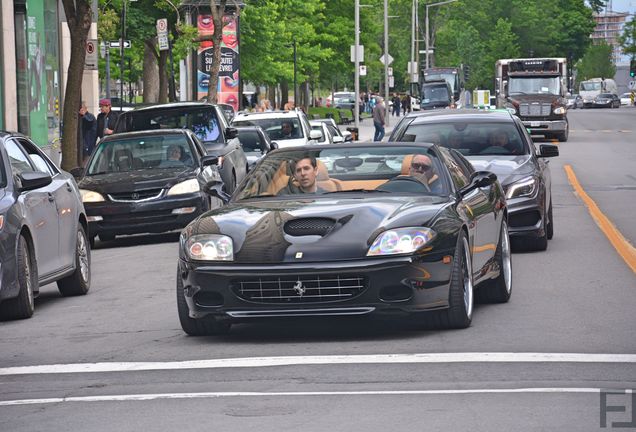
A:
(79, 18)
(628, 38)
(596, 63)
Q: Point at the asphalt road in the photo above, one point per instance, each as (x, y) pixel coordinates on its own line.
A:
(117, 360)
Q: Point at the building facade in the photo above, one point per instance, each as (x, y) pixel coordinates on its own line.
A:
(35, 48)
(609, 26)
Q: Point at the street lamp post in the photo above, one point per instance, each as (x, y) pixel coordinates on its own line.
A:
(386, 62)
(295, 88)
(427, 31)
(356, 110)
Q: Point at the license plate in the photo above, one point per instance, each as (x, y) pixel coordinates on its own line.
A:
(535, 124)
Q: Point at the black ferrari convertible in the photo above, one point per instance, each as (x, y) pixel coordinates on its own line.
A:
(354, 229)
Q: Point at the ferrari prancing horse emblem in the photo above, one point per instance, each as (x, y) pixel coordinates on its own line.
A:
(299, 288)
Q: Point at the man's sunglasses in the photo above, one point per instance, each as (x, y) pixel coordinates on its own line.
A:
(420, 167)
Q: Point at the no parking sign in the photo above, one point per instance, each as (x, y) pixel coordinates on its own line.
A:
(90, 61)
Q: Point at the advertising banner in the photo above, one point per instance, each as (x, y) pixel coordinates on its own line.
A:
(228, 87)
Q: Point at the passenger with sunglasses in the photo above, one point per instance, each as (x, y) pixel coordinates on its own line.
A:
(422, 169)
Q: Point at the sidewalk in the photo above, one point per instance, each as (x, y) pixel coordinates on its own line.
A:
(366, 129)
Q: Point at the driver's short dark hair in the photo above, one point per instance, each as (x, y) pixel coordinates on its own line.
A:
(312, 160)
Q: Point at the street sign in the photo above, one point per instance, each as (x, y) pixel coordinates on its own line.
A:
(115, 44)
(391, 81)
(632, 85)
(90, 61)
(162, 34)
(390, 71)
(390, 59)
(360, 53)
(412, 67)
(363, 70)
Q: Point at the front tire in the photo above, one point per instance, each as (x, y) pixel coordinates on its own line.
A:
(206, 326)
(23, 305)
(549, 228)
(499, 289)
(79, 282)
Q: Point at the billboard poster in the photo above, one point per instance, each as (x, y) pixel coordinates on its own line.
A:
(228, 87)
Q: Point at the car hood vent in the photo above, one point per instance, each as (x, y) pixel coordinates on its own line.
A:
(309, 226)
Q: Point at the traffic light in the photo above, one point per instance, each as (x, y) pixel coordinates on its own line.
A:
(466, 72)
(632, 68)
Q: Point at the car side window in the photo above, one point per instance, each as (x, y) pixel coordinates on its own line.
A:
(37, 160)
(459, 177)
(18, 159)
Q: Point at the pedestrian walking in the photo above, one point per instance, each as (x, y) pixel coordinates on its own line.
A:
(106, 119)
(396, 104)
(88, 127)
(378, 119)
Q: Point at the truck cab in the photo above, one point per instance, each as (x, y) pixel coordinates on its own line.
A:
(535, 89)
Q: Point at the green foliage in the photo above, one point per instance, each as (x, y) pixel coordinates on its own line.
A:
(323, 111)
(628, 38)
(596, 63)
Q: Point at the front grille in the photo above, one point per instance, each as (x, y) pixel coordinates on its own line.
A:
(534, 110)
(136, 196)
(309, 226)
(299, 289)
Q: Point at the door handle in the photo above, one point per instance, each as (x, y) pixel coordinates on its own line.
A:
(69, 188)
(51, 197)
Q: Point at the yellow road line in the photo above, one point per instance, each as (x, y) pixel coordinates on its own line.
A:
(620, 243)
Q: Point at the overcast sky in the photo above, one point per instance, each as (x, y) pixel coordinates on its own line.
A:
(624, 5)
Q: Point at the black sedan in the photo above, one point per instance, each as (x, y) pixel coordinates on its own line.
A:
(606, 100)
(497, 142)
(42, 228)
(208, 122)
(144, 182)
(393, 229)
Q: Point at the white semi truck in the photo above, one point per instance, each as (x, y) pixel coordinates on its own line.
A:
(535, 88)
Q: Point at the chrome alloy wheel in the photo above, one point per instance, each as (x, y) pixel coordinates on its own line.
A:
(82, 254)
(506, 259)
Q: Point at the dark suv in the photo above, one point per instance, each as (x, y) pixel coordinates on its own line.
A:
(209, 124)
(496, 141)
(436, 94)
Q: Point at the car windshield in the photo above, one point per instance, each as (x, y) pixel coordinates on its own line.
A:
(250, 141)
(345, 170)
(277, 128)
(141, 153)
(200, 120)
(590, 86)
(605, 96)
(470, 139)
(435, 93)
(534, 85)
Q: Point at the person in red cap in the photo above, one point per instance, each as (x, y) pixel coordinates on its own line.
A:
(106, 119)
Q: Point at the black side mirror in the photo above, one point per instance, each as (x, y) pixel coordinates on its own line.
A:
(548, 150)
(273, 146)
(34, 180)
(231, 133)
(210, 179)
(209, 160)
(77, 172)
(479, 179)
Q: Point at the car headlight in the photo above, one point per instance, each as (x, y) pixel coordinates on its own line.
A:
(91, 196)
(523, 188)
(559, 110)
(401, 241)
(210, 247)
(185, 187)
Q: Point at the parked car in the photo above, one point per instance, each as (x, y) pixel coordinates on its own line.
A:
(496, 141)
(376, 237)
(255, 142)
(274, 123)
(574, 101)
(626, 99)
(335, 130)
(329, 136)
(144, 182)
(43, 228)
(209, 124)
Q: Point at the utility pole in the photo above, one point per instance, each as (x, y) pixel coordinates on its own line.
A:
(386, 62)
(356, 110)
(121, 51)
(107, 55)
(413, 37)
(295, 65)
